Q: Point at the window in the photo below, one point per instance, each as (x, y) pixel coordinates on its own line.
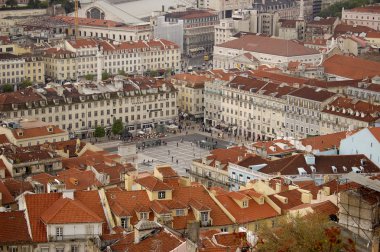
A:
(204, 216)
(124, 222)
(44, 249)
(245, 203)
(59, 250)
(224, 229)
(13, 249)
(179, 212)
(59, 232)
(74, 248)
(161, 195)
(144, 216)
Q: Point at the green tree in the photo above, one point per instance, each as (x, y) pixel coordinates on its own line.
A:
(121, 72)
(7, 88)
(68, 6)
(89, 77)
(11, 3)
(313, 233)
(105, 75)
(99, 132)
(117, 127)
(25, 83)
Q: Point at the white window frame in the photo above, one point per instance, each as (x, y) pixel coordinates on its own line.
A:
(180, 212)
(161, 194)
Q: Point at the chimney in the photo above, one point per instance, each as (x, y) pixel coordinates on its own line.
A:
(193, 228)
(144, 228)
(310, 159)
(278, 187)
(68, 194)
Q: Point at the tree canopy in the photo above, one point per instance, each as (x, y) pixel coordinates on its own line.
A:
(11, 3)
(335, 10)
(312, 233)
(99, 132)
(7, 88)
(117, 127)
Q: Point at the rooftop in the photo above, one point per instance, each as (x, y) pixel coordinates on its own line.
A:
(267, 45)
(351, 67)
(14, 228)
(314, 94)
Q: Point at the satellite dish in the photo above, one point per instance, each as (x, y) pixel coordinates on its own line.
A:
(308, 148)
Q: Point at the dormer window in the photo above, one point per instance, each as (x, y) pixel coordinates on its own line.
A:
(20, 133)
(124, 222)
(204, 217)
(161, 195)
(144, 215)
(50, 129)
(180, 212)
(245, 203)
(334, 170)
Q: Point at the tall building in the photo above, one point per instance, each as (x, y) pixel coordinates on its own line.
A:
(78, 108)
(198, 28)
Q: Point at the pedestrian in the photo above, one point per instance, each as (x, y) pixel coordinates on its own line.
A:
(168, 152)
(177, 144)
(177, 161)
(191, 143)
(172, 158)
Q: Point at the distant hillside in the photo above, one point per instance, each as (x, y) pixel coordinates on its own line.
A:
(335, 10)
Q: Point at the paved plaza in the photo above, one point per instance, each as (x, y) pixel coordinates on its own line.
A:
(183, 148)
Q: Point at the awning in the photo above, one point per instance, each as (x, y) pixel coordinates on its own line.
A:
(141, 132)
(172, 126)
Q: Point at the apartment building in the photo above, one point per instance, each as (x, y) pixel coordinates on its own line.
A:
(252, 108)
(12, 69)
(60, 64)
(32, 132)
(79, 108)
(303, 111)
(77, 58)
(319, 27)
(344, 114)
(225, 9)
(198, 28)
(367, 16)
(190, 93)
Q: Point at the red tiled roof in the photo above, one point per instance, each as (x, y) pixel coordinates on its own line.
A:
(375, 132)
(351, 67)
(17, 187)
(190, 14)
(326, 207)
(168, 172)
(7, 197)
(314, 94)
(3, 139)
(14, 228)
(325, 142)
(162, 240)
(36, 132)
(37, 204)
(77, 179)
(152, 183)
(253, 212)
(367, 9)
(354, 109)
(62, 212)
(268, 45)
(293, 196)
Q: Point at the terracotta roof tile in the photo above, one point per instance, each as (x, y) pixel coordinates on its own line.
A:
(160, 240)
(314, 94)
(37, 204)
(253, 212)
(36, 132)
(268, 45)
(7, 197)
(61, 212)
(351, 67)
(168, 172)
(152, 183)
(326, 142)
(326, 207)
(375, 132)
(14, 228)
(293, 199)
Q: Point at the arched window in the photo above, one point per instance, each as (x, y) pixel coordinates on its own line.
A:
(95, 13)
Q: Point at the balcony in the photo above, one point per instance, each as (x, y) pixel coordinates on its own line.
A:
(71, 237)
(207, 223)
